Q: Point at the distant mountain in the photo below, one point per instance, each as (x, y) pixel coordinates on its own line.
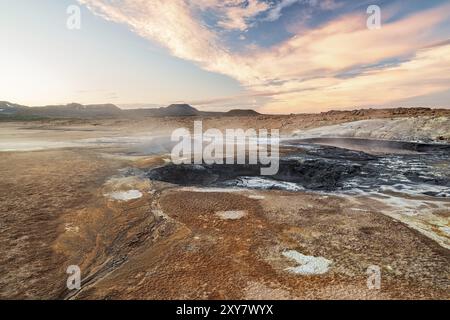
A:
(132, 106)
(13, 111)
(242, 113)
(75, 110)
(174, 110)
(96, 111)
(8, 108)
(185, 110)
(180, 110)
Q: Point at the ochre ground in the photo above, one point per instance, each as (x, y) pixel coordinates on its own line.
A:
(170, 244)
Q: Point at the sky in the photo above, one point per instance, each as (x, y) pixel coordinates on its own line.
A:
(275, 56)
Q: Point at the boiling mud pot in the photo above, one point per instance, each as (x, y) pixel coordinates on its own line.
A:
(305, 164)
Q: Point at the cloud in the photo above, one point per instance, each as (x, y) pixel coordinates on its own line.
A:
(276, 11)
(300, 73)
(240, 17)
(171, 24)
(426, 73)
(232, 14)
(242, 14)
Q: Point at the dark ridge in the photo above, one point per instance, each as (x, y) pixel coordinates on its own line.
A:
(242, 113)
(76, 110)
(179, 110)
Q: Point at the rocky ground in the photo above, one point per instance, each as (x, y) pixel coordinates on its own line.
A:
(85, 202)
(424, 129)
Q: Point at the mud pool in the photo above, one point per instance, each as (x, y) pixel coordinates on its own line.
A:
(309, 166)
(409, 182)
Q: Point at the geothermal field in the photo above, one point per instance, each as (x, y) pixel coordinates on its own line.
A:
(355, 191)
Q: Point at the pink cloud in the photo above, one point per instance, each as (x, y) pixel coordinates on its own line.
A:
(306, 64)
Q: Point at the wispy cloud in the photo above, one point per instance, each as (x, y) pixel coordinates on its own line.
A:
(425, 73)
(242, 14)
(300, 73)
(276, 11)
(239, 16)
